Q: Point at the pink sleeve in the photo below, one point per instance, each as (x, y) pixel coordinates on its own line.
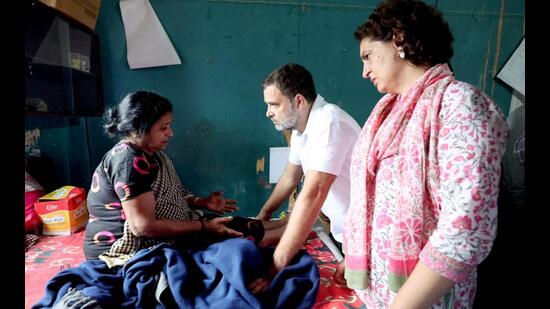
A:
(466, 173)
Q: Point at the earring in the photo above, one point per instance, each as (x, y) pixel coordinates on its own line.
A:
(402, 54)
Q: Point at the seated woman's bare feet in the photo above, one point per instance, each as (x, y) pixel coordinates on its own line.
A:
(339, 274)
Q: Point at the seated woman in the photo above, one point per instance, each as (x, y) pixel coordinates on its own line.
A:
(136, 199)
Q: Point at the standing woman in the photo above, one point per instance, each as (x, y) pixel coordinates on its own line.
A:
(136, 199)
(425, 169)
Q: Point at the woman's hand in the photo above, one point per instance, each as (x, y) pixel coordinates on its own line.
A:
(216, 203)
(217, 226)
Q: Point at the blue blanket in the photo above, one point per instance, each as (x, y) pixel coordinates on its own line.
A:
(216, 277)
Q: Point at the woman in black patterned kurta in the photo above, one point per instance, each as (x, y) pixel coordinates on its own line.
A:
(136, 199)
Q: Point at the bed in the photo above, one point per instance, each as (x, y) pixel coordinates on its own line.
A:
(53, 253)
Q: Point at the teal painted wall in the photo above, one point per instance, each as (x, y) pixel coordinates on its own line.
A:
(228, 47)
(64, 149)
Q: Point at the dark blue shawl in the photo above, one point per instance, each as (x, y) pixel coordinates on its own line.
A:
(216, 277)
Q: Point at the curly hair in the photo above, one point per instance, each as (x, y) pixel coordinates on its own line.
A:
(292, 79)
(136, 113)
(419, 29)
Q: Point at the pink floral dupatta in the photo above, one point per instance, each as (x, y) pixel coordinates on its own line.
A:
(406, 126)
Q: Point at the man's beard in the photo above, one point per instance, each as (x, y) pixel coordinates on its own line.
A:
(290, 121)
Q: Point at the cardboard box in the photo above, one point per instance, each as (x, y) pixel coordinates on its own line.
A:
(62, 211)
(85, 11)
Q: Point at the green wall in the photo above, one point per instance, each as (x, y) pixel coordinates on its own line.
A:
(228, 47)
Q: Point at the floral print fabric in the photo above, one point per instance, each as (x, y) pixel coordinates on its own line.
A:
(424, 186)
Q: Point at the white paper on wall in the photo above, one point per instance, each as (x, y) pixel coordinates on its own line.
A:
(278, 158)
(147, 43)
(513, 72)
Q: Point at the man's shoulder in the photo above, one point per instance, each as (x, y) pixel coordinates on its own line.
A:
(332, 113)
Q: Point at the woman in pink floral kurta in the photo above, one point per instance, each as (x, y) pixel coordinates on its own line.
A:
(424, 171)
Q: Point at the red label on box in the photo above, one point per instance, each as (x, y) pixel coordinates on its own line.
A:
(58, 210)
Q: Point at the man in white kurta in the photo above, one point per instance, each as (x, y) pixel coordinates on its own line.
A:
(325, 146)
(323, 136)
